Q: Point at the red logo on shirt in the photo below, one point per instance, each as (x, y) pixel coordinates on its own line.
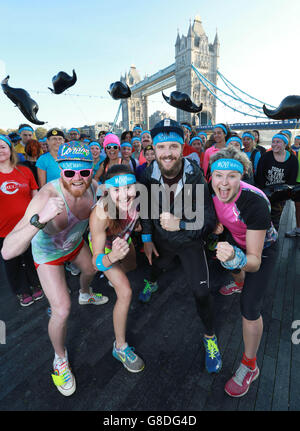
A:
(10, 187)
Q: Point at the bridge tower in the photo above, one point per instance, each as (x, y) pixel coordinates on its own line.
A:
(134, 109)
(195, 49)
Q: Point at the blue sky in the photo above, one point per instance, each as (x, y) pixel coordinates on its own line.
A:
(101, 39)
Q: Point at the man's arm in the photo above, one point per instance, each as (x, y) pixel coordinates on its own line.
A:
(18, 240)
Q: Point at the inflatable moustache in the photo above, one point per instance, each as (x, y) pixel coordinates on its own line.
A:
(289, 109)
(23, 101)
(119, 90)
(278, 192)
(182, 101)
(62, 81)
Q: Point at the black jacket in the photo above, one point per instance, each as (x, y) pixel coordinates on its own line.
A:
(193, 176)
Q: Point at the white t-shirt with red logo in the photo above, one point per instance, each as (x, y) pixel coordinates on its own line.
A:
(15, 195)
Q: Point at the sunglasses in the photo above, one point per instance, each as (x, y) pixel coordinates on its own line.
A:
(70, 173)
(112, 147)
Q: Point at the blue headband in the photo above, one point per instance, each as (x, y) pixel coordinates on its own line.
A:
(74, 130)
(234, 139)
(120, 180)
(137, 128)
(76, 165)
(145, 131)
(27, 128)
(297, 137)
(248, 135)
(202, 133)
(287, 132)
(126, 144)
(95, 144)
(135, 139)
(221, 127)
(282, 137)
(5, 139)
(187, 127)
(227, 165)
(167, 137)
(196, 138)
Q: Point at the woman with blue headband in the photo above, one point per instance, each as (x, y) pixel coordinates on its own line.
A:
(246, 248)
(277, 167)
(111, 223)
(17, 188)
(95, 148)
(249, 149)
(221, 134)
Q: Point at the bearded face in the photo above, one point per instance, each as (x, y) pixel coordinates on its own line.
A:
(169, 158)
(76, 185)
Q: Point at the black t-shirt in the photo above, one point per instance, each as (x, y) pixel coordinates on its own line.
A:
(270, 171)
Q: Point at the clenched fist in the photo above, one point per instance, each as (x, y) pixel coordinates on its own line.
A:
(120, 249)
(53, 207)
(225, 251)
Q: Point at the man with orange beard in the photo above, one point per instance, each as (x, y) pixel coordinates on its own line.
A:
(54, 222)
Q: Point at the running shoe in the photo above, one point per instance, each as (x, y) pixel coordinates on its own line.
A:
(131, 361)
(213, 361)
(73, 269)
(229, 289)
(63, 377)
(92, 298)
(293, 233)
(146, 293)
(239, 384)
(37, 294)
(25, 299)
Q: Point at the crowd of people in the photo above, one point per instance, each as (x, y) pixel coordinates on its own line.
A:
(69, 202)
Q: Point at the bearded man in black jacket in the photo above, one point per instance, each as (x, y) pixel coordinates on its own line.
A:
(180, 217)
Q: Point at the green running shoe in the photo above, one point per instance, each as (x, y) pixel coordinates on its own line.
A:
(146, 293)
(131, 361)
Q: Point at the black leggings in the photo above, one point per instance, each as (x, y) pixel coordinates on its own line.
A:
(256, 284)
(20, 272)
(193, 260)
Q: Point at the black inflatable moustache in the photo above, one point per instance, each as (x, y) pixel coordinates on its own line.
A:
(119, 90)
(182, 101)
(23, 101)
(289, 109)
(282, 192)
(62, 81)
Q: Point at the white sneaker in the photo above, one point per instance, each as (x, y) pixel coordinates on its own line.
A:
(74, 270)
(92, 298)
(63, 377)
(293, 233)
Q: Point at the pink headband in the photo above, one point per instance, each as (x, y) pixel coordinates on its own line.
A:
(111, 139)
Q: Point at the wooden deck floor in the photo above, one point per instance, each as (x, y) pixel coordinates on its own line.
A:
(168, 335)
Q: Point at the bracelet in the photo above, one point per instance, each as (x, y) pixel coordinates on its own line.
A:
(238, 262)
(146, 238)
(107, 255)
(99, 262)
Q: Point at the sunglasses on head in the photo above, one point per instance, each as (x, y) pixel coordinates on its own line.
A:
(70, 173)
(112, 147)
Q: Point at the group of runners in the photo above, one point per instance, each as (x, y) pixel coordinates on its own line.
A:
(175, 190)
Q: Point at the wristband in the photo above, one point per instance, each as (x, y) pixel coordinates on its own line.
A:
(99, 263)
(182, 225)
(146, 238)
(238, 262)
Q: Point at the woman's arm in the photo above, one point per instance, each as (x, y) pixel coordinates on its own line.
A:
(99, 172)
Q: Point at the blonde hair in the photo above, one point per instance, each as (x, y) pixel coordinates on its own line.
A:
(14, 159)
(231, 152)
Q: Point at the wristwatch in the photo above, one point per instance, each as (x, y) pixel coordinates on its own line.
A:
(35, 222)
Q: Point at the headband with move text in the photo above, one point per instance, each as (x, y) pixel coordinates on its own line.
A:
(120, 181)
(75, 165)
(227, 165)
(234, 139)
(167, 137)
(126, 144)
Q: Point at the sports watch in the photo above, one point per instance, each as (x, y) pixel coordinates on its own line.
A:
(35, 222)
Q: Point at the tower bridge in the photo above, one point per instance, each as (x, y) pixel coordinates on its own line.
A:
(194, 48)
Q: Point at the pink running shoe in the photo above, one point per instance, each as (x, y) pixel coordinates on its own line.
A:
(229, 289)
(240, 383)
(38, 294)
(25, 299)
